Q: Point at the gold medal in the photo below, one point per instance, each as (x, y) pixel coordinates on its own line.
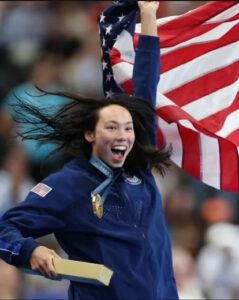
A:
(97, 205)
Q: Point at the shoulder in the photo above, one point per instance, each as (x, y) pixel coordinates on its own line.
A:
(69, 176)
(62, 185)
(56, 187)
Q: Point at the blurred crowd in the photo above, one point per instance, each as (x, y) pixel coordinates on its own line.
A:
(54, 45)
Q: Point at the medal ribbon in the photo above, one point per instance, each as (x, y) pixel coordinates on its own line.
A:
(104, 188)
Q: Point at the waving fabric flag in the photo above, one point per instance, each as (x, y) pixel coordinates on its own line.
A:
(197, 99)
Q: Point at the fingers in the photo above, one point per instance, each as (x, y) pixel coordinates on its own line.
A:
(42, 261)
(148, 5)
(46, 267)
(148, 17)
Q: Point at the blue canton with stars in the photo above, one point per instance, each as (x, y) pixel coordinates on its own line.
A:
(121, 15)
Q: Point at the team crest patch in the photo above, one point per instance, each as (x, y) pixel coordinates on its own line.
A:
(134, 180)
(41, 189)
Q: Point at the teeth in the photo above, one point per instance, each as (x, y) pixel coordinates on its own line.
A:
(120, 148)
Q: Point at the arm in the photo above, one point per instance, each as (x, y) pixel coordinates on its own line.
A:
(36, 216)
(146, 67)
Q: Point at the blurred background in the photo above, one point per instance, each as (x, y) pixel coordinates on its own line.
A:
(55, 45)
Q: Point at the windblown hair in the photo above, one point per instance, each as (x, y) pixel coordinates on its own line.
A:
(67, 127)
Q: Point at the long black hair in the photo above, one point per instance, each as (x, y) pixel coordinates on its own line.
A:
(67, 126)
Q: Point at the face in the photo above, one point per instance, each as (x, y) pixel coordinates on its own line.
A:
(113, 137)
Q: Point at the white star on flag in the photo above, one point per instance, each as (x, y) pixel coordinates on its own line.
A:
(102, 18)
(108, 29)
(104, 65)
(121, 18)
(109, 94)
(108, 77)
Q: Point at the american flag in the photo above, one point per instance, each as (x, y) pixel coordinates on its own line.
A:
(41, 189)
(197, 98)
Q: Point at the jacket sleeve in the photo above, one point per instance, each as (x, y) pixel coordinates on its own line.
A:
(36, 216)
(146, 73)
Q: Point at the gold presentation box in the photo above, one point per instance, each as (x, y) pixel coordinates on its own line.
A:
(79, 271)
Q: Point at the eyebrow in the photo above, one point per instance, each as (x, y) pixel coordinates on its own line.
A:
(114, 122)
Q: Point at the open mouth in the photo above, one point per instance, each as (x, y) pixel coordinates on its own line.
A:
(118, 151)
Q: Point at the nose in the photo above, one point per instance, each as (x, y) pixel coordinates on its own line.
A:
(121, 134)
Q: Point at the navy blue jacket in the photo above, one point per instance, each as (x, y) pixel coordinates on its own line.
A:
(132, 238)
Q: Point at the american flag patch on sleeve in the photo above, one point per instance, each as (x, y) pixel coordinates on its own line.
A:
(41, 189)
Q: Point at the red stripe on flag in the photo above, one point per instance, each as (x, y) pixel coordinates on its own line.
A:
(229, 171)
(235, 17)
(204, 85)
(234, 137)
(187, 53)
(191, 151)
(115, 56)
(175, 113)
(185, 23)
(173, 37)
(135, 40)
(215, 122)
(128, 86)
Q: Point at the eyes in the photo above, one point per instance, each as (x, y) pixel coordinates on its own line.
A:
(129, 128)
(115, 127)
(111, 127)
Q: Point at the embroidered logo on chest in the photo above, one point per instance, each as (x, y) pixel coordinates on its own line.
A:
(134, 180)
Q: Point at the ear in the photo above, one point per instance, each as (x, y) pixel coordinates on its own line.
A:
(89, 136)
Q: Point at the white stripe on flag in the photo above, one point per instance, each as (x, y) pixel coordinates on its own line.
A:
(218, 100)
(162, 100)
(210, 161)
(160, 22)
(223, 16)
(209, 36)
(171, 134)
(187, 124)
(124, 45)
(123, 71)
(199, 66)
(230, 124)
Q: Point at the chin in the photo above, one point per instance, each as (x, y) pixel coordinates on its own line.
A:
(116, 165)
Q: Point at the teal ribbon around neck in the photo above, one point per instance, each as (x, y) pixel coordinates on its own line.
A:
(104, 188)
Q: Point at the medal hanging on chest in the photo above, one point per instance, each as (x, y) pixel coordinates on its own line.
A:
(99, 194)
(97, 205)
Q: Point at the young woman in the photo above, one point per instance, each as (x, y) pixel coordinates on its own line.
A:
(103, 206)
